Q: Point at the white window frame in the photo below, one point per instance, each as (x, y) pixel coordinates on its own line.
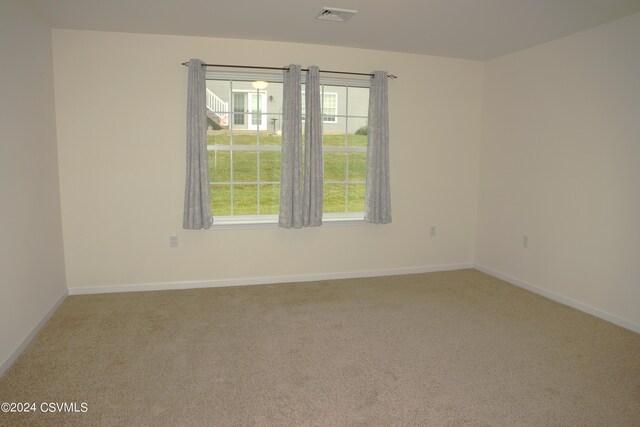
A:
(272, 220)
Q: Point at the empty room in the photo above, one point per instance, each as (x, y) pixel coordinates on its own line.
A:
(292, 213)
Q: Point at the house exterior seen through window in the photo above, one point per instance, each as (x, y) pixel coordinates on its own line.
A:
(245, 139)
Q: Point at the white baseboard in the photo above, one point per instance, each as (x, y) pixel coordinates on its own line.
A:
(27, 340)
(138, 287)
(612, 318)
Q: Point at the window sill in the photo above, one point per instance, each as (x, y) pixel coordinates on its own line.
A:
(239, 224)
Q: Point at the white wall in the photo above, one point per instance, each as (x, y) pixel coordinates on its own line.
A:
(560, 162)
(31, 253)
(121, 154)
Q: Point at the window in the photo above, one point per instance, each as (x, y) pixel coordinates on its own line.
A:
(329, 107)
(244, 153)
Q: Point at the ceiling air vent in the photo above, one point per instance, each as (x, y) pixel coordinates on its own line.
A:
(335, 14)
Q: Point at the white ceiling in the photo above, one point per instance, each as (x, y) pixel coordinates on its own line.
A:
(472, 29)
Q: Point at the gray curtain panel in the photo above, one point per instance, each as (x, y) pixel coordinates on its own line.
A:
(291, 163)
(377, 207)
(313, 165)
(197, 199)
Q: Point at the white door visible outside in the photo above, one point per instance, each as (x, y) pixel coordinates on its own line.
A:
(257, 110)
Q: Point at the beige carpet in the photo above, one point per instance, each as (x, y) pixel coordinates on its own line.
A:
(440, 349)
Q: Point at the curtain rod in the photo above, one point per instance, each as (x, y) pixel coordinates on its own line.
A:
(391, 76)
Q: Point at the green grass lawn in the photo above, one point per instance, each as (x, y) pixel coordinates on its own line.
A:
(246, 165)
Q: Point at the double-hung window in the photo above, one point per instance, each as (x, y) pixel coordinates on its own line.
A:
(244, 137)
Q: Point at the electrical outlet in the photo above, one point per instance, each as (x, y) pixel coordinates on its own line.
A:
(433, 230)
(525, 241)
(173, 241)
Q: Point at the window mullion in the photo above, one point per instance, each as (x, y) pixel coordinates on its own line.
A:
(260, 117)
(346, 117)
(231, 150)
(259, 122)
(346, 136)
